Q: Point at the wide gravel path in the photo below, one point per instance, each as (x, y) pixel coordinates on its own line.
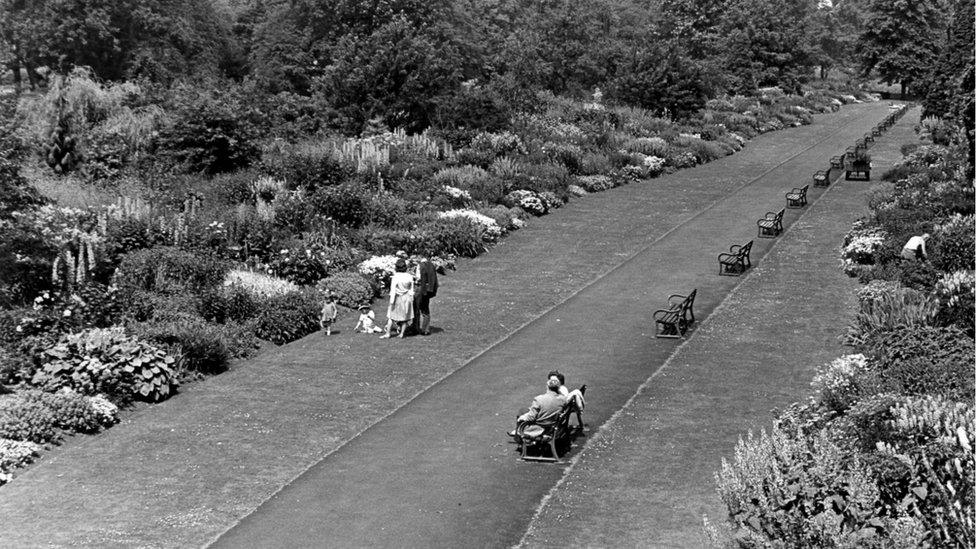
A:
(362, 442)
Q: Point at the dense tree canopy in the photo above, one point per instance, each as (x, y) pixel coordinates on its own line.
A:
(902, 39)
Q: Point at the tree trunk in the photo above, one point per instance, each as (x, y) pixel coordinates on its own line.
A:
(904, 87)
(18, 79)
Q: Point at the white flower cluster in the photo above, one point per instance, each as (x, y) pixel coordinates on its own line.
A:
(957, 221)
(860, 244)
(380, 267)
(108, 413)
(576, 190)
(258, 284)
(14, 454)
(455, 192)
(690, 135)
(528, 201)
(654, 164)
(953, 286)
(595, 183)
(840, 373)
(491, 230)
(737, 137)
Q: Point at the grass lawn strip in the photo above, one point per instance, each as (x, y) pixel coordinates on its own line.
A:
(182, 472)
(647, 477)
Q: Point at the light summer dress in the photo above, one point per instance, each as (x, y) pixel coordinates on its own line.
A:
(401, 292)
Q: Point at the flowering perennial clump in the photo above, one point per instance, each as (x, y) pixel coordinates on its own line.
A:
(379, 267)
(954, 287)
(491, 230)
(257, 284)
(528, 201)
(14, 454)
(860, 244)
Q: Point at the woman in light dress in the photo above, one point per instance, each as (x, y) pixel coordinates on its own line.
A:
(400, 309)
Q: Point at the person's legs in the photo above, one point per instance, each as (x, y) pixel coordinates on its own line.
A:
(423, 313)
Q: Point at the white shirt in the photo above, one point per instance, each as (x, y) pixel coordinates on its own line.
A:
(914, 243)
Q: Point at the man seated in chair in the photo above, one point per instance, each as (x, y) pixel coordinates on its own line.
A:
(545, 408)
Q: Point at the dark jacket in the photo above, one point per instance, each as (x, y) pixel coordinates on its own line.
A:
(427, 285)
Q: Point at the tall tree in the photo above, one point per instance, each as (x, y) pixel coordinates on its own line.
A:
(762, 44)
(902, 39)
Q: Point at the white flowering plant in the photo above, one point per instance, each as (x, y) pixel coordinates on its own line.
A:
(380, 268)
(491, 230)
(15, 454)
(257, 284)
(860, 246)
(839, 384)
(528, 201)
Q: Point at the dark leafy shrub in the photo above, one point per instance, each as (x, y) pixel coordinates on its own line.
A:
(15, 368)
(293, 214)
(209, 135)
(125, 235)
(350, 289)
(460, 237)
(868, 421)
(227, 304)
(30, 420)
(459, 117)
(285, 318)
(925, 360)
(306, 165)
(953, 247)
(346, 204)
(167, 269)
(568, 155)
(200, 345)
(389, 210)
(109, 362)
(239, 338)
(15, 192)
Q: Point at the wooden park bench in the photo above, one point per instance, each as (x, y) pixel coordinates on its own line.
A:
(674, 321)
(860, 144)
(821, 178)
(736, 261)
(837, 162)
(553, 436)
(868, 138)
(877, 131)
(771, 225)
(797, 198)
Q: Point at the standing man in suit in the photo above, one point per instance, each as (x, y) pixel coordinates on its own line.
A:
(426, 288)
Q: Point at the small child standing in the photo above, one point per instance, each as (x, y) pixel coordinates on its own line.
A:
(367, 321)
(329, 313)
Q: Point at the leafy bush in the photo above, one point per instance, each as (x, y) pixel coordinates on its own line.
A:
(350, 289)
(200, 345)
(892, 310)
(167, 269)
(28, 420)
(308, 165)
(840, 384)
(14, 454)
(461, 237)
(109, 362)
(480, 184)
(955, 244)
(208, 135)
(345, 203)
(285, 318)
(791, 491)
(933, 437)
(924, 360)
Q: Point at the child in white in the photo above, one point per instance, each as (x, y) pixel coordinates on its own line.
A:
(367, 321)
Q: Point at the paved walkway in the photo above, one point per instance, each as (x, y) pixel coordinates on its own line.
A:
(437, 470)
(647, 478)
